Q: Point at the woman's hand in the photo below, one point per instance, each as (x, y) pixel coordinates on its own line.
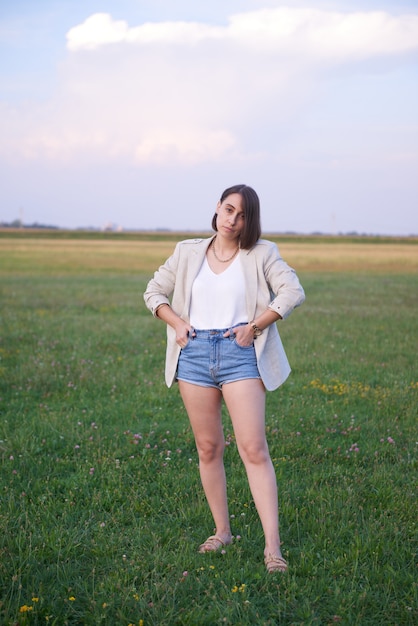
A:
(183, 331)
(182, 328)
(244, 335)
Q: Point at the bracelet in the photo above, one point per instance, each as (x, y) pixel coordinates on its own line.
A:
(256, 329)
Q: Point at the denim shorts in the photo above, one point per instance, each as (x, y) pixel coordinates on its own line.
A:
(210, 360)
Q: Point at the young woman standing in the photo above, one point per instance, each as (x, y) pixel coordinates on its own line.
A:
(227, 293)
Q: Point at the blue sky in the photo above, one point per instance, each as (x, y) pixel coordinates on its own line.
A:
(139, 113)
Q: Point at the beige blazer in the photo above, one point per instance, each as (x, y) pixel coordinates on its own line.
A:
(271, 283)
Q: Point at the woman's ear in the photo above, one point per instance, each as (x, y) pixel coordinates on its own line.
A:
(218, 206)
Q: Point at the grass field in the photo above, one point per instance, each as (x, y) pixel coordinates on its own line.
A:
(101, 505)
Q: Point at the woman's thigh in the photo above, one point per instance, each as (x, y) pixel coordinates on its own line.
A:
(203, 406)
(245, 400)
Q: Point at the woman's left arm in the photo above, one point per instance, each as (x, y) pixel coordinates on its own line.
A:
(283, 282)
(287, 294)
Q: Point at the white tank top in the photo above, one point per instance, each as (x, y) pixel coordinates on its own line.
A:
(218, 300)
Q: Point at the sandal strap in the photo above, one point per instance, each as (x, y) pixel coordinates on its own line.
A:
(212, 544)
(275, 563)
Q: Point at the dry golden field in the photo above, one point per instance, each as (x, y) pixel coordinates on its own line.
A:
(35, 255)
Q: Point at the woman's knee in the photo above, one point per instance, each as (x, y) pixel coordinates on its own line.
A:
(210, 451)
(255, 453)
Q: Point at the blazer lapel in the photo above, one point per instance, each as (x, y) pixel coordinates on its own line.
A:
(249, 264)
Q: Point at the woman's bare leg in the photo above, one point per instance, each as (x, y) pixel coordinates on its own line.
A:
(203, 406)
(245, 401)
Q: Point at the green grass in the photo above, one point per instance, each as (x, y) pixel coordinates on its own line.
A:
(101, 505)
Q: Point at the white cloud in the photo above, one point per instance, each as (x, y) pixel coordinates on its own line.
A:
(100, 29)
(187, 92)
(325, 34)
(97, 30)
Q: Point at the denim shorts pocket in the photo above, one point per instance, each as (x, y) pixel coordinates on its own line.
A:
(240, 347)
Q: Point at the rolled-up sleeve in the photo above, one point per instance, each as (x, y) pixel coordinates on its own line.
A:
(287, 292)
(161, 286)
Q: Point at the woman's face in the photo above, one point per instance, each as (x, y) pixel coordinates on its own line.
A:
(231, 219)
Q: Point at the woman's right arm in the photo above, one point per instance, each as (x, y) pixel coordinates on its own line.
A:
(182, 328)
(161, 286)
(157, 297)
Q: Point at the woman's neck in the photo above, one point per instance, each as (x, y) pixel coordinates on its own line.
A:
(224, 250)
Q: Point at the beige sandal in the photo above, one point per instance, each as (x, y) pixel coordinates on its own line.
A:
(275, 563)
(212, 544)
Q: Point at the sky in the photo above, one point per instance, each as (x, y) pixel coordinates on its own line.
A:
(139, 113)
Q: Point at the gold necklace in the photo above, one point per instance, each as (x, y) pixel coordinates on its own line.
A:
(223, 260)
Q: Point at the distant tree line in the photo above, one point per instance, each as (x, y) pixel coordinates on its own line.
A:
(18, 224)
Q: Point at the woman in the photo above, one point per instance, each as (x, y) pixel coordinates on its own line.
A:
(222, 342)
